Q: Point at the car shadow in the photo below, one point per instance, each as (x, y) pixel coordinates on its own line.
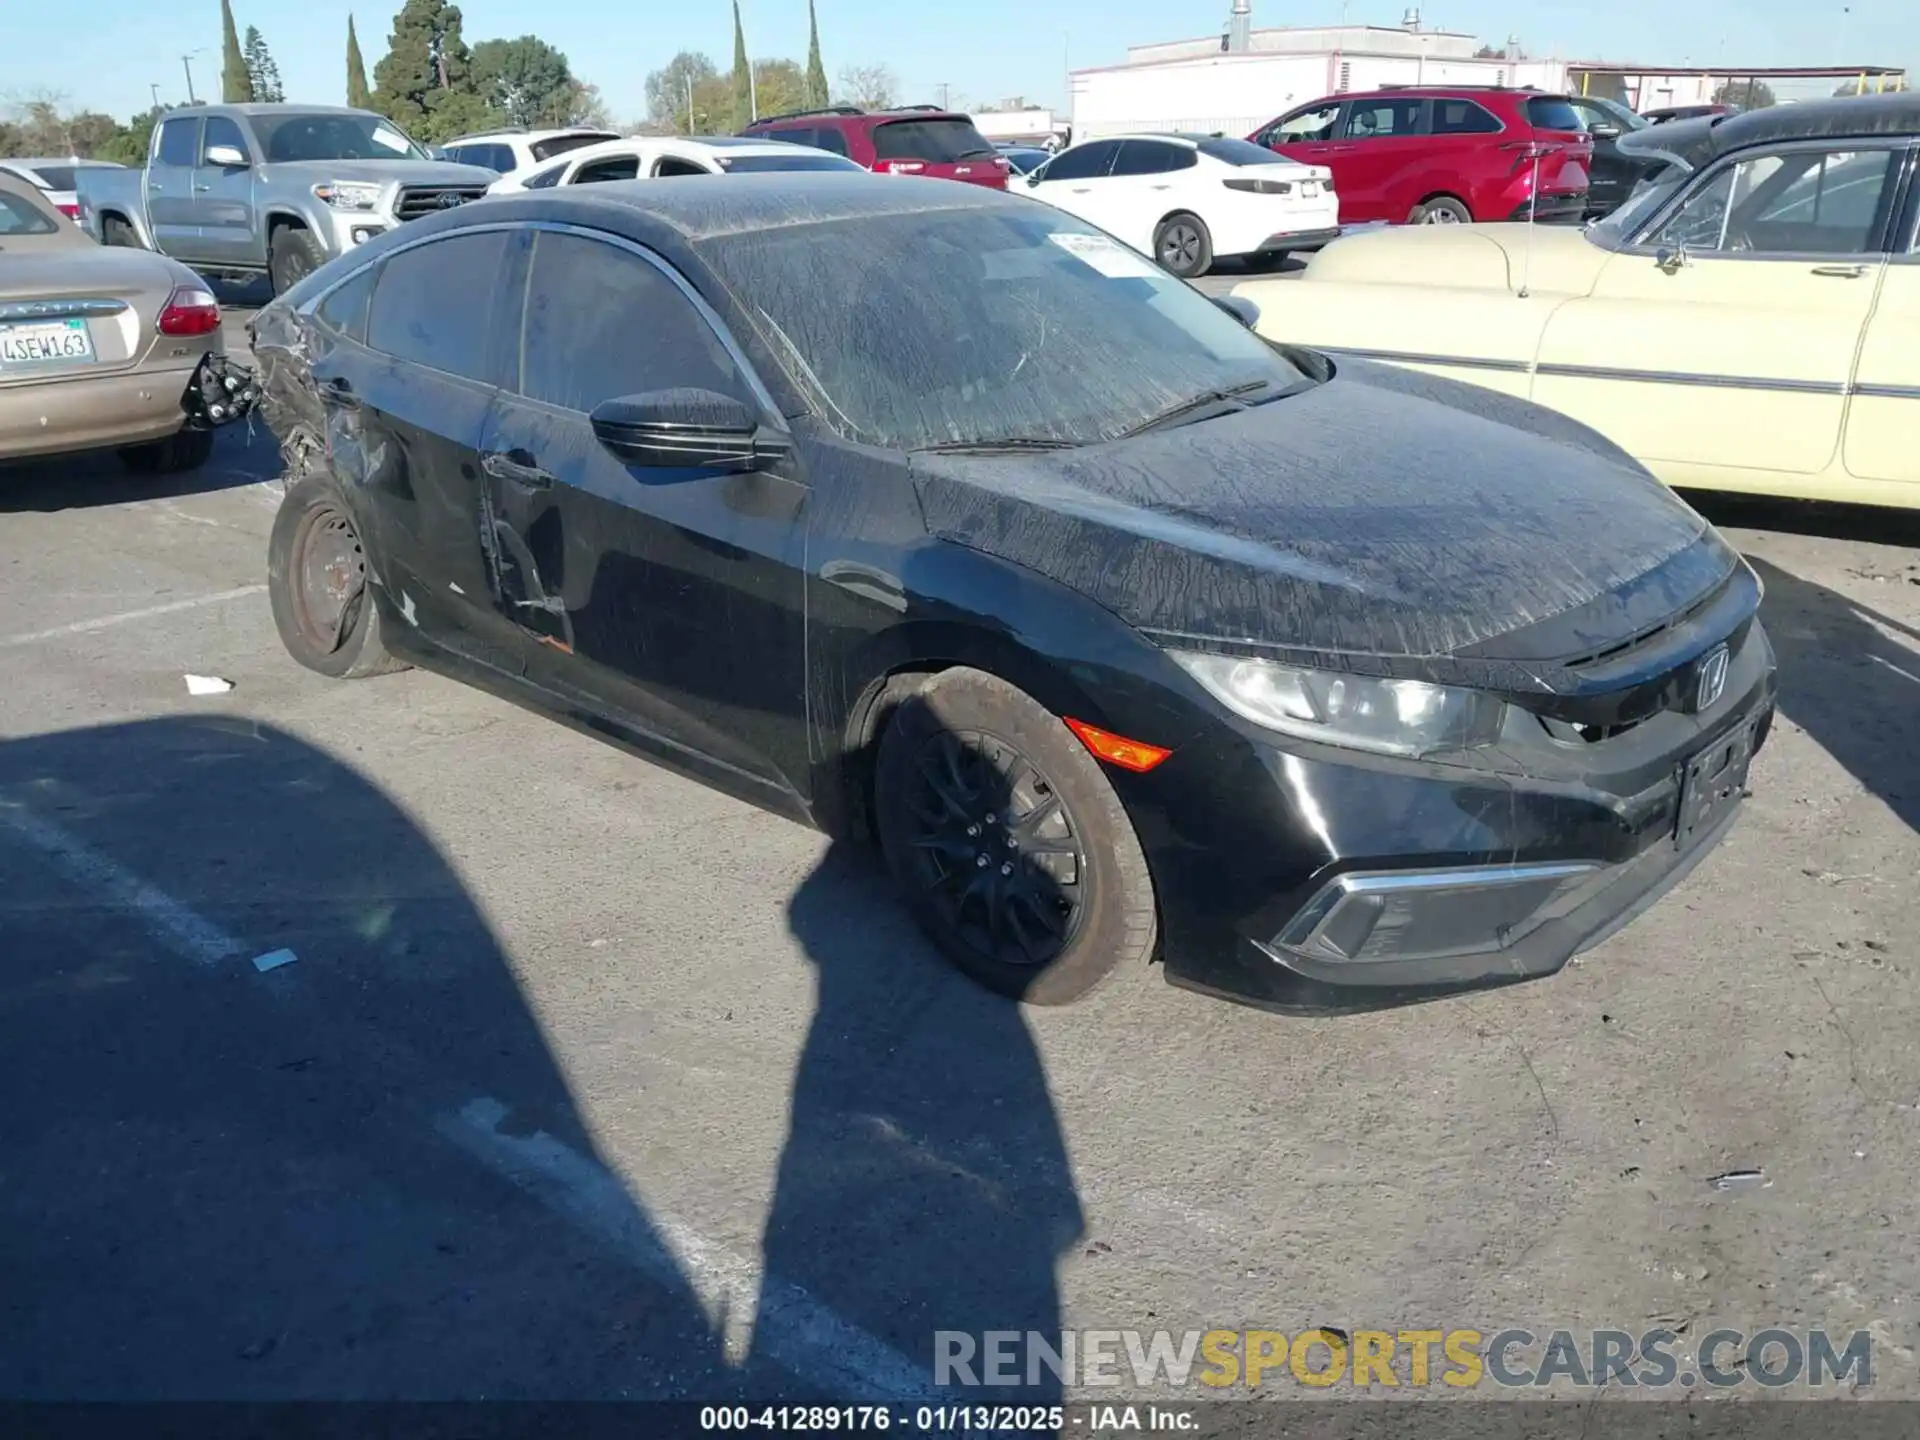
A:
(362, 1174)
(1874, 524)
(244, 453)
(1849, 677)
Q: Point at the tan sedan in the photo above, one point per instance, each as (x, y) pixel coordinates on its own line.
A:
(99, 348)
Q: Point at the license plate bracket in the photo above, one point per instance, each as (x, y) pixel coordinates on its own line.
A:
(26, 344)
(1712, 783)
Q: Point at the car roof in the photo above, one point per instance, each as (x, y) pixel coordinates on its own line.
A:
(532, 137)
(1450, 92)
(34, 162)
(808, 118)
(1698, 141)
(761, 201)
(675, 145)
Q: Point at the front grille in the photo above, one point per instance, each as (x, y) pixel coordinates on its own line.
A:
(416, 201)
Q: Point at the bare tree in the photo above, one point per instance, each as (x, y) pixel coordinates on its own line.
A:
(871, 87)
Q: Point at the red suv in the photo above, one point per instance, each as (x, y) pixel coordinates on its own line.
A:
(1443, 155)
(913, 140)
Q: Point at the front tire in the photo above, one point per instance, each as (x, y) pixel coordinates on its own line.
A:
(1008, 843)
(181, 451)
(319, 585)
(1183, 246)
(292, 255)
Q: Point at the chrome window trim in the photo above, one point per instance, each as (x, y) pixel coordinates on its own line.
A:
(1632, 376)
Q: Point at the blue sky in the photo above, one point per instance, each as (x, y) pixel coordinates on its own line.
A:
(984, 50)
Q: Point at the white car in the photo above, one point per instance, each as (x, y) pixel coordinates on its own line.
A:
(54, 179)
(650, 157)
(1188, 200)
(513, 151)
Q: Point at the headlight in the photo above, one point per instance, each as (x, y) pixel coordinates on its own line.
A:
(1397, 717)
(349, 195)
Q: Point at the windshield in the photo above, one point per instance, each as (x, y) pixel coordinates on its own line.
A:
(285, 138)
(978, 326)
(1649, 195)
(748, 164)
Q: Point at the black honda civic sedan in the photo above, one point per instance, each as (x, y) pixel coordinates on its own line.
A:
(926, 513)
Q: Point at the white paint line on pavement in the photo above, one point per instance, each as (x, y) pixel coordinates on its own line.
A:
(790, 1327)
(106, 622)
(166, 919)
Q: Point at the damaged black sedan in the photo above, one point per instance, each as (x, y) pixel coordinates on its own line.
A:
(925, 513)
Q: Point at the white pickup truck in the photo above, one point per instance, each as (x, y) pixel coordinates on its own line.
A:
(275, 190)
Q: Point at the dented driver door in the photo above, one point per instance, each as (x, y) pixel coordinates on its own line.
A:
(669, 602)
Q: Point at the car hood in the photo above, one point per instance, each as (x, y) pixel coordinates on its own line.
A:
(1557, 259)
(1381, 522)
(407, 172)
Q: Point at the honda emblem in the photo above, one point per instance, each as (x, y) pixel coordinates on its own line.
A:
(1710, 678)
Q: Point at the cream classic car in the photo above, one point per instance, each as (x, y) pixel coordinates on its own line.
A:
(1749, 320)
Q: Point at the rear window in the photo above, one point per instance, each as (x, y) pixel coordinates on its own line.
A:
(55, 177)
(561, 144)
(1462, 117)
(1242, 152)
(748, 164)
(939, 142)
(1553, 114)
(20, 216)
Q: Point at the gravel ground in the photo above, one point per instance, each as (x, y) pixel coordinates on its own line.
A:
(581, 1067)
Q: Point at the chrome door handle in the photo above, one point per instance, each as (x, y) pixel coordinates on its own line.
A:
(202, 189)
(1840, 272)
(1083, 190)
(155, 186)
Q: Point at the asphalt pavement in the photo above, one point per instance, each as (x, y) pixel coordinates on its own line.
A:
(587, 1082)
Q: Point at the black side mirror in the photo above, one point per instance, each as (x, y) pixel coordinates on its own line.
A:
(686, 430)
(1245, 311)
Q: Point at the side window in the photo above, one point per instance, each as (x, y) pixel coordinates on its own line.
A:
(1308, 125)
(1799, 202)
(1151, 157)
(1382, 119)
(456, 154)
(797, 136)
(428, 306)
(179, 143)
(221, 131)
(619, 167)
(1462, 117)
(345, 310)
(1083, 162)
(501, 158)
(602, 322)
(674, 165)
(830, 140)
(542, 179)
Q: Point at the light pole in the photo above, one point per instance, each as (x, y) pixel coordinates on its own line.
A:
(186, 64)
(155, 88)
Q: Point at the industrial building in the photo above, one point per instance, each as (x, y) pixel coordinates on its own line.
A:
(1234, 82)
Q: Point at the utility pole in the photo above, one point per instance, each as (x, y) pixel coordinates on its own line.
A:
(186, 64)
(155, 88)
(753, 91)
(942, 87)
(689, 79)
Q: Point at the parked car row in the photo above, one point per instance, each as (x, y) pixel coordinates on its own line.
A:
(1748, 321)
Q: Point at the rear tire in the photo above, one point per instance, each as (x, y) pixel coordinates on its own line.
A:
(181, 451)
(1441, 210)
(318, 584)
(292, 255)
(1183, 245)
(1048, 892)
(115, 231)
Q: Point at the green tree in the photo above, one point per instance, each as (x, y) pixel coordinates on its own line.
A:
(236, 84)
(261, 71)
(816, 72)
(742, 75)
(128, 143)
(1747, 94)
(527, 80)
(359, 95)
(780, 86)
(425, 56)
(672, 89)
(588, 108)
(456, 112)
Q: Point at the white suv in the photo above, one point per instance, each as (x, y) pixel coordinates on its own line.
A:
(508, 151)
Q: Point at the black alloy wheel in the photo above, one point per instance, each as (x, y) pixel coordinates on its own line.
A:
(320, 587)
(1183, 246)
(996, 849)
